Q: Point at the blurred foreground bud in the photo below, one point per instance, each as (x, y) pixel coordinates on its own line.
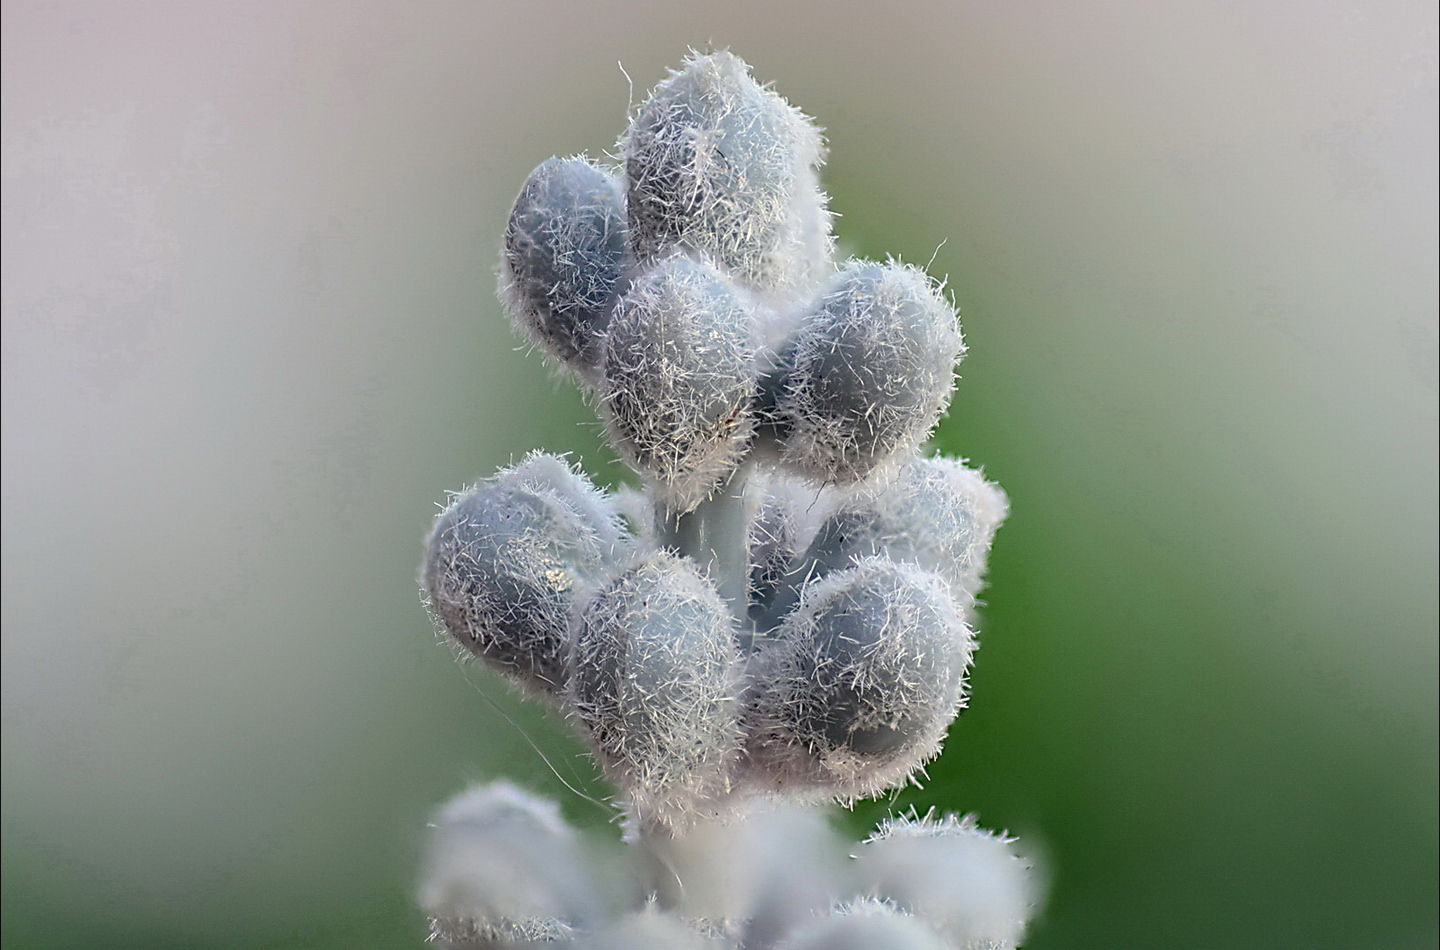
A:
(502, 869)
(648, 930)
(793, 867)
(503, 560)
(751, 877)
(565, 257)
(653, 684)
(719, 164)
(870, 372)
(969, 883)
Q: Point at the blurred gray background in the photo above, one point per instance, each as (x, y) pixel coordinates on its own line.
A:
(251, 337)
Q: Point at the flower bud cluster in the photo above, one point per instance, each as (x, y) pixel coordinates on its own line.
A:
(784, 612)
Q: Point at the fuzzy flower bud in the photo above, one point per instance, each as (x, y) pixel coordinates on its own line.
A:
(680, 378)
(503, 560)
(653, 684)
(503, 869)
(966, 881)
(719, 164)
(867, 925)
(564, 258)
(934, 513)
(869, 372)
(859, 684)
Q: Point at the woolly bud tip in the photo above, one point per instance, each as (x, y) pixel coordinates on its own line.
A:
(934, 513)
(564, 256)
(503, 560)
(969, 883)
(869, 372)
(717, 163)
(679, 379)
(860, 683)
(653, 684)
(502, 866)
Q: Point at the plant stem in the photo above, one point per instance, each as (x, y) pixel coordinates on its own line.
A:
(713, 535)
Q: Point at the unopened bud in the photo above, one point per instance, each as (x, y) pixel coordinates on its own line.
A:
(867, 925)
(934, 513)
(679, 379)
(969, 883)
(869, 372)
(719, 164)
(859, 684)
(502, 869)
(653, 684)
(503, 561)
(565, 257)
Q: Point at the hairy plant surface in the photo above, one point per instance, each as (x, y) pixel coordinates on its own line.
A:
(782, 617)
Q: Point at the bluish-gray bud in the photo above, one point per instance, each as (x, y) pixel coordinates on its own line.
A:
(679, 379)
(859, 684)
(932, 512)
(795, 866)
(503, 561)
(503, 870)
(869, 372)
(653, 683)
(967, 882)
(565, 257)
(717, 163)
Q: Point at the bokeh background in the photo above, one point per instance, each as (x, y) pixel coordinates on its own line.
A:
(251, 337)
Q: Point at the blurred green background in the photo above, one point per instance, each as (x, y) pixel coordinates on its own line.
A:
(250, 338)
